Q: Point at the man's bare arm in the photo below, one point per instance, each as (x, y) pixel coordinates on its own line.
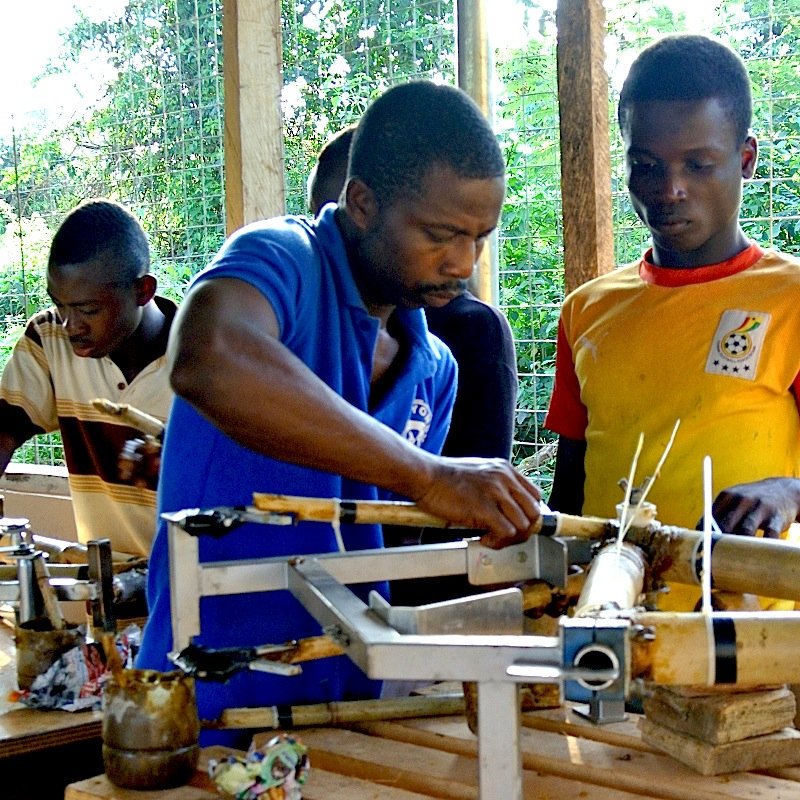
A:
(227, 361)
(16, 428)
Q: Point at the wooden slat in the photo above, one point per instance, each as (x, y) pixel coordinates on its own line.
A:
(566, 721)
(321, 786)
(101, 788)
(429, 772)
(598, 764)
(435, 773)
(436, 758)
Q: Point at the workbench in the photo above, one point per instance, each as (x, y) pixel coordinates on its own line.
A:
(25, 730)
(564, 756)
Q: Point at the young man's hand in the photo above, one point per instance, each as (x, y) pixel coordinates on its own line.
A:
(770, 505)
(139, 462)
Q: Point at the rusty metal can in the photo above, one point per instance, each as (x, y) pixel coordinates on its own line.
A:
(150, 729)
(38, 647)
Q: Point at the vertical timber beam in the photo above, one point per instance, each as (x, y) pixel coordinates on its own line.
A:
(254, 177)
(475, 77)
(585, 156)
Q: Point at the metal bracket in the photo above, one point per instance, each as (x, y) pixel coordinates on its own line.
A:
(494, 612)
(219, 521)
(540, 557)
(600, 646)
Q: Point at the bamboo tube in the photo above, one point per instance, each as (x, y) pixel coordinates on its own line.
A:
(614, 581)
(310, 649)
(130, 416)
(51, 607)
(399, 512)
(113, 659)
(740, 564)
(539, 595)
(323, 509)
(742, 648)
(61, 551)
(342, 712)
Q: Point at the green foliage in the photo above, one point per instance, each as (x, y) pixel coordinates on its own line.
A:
(24, 247)
(339, 55)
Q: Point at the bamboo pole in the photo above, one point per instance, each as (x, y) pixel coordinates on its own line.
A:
(614, 581)
(541, 596)
(400, 512)
(51, 607)
(310, 649)
(723, 648)
(130, 415)
(740, 564)
(341, 712)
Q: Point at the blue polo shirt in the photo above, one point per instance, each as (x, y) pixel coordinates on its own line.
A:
(301, 267)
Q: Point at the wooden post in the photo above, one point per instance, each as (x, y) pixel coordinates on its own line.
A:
(585, 156)
(254, 180)
(475, 76)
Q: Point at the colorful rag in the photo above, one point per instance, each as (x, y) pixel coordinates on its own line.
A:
(274, 772)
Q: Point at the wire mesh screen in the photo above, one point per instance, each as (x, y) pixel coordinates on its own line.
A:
(338, 55)
(145, 128)
(766, 33)
(138, 117)
(530, 242)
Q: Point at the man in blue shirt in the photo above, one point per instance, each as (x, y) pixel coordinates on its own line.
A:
(480, 339)
(302, 364)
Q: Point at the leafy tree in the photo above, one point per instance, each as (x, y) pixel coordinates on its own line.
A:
(338, 55)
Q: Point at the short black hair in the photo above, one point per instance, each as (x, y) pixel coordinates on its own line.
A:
(416, 126)
(101, 227)
(690, 67)
(330, 172)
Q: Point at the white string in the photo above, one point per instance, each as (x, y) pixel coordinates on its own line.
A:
(336, 523)
(708, 522)
(626, 502)
(651, 481)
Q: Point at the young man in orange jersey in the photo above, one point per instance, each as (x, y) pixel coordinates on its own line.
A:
(704, 328)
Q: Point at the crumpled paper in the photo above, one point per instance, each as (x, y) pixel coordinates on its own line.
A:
(273, 772)
(74, 682)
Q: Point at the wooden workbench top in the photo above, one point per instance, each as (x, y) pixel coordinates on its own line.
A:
(563, 756)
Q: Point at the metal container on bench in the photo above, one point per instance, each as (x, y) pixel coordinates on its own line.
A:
(150, 729)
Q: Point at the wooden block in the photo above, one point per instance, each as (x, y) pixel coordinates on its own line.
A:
(795, 689)
(726, 689)
(759, 752)
(722, 718)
